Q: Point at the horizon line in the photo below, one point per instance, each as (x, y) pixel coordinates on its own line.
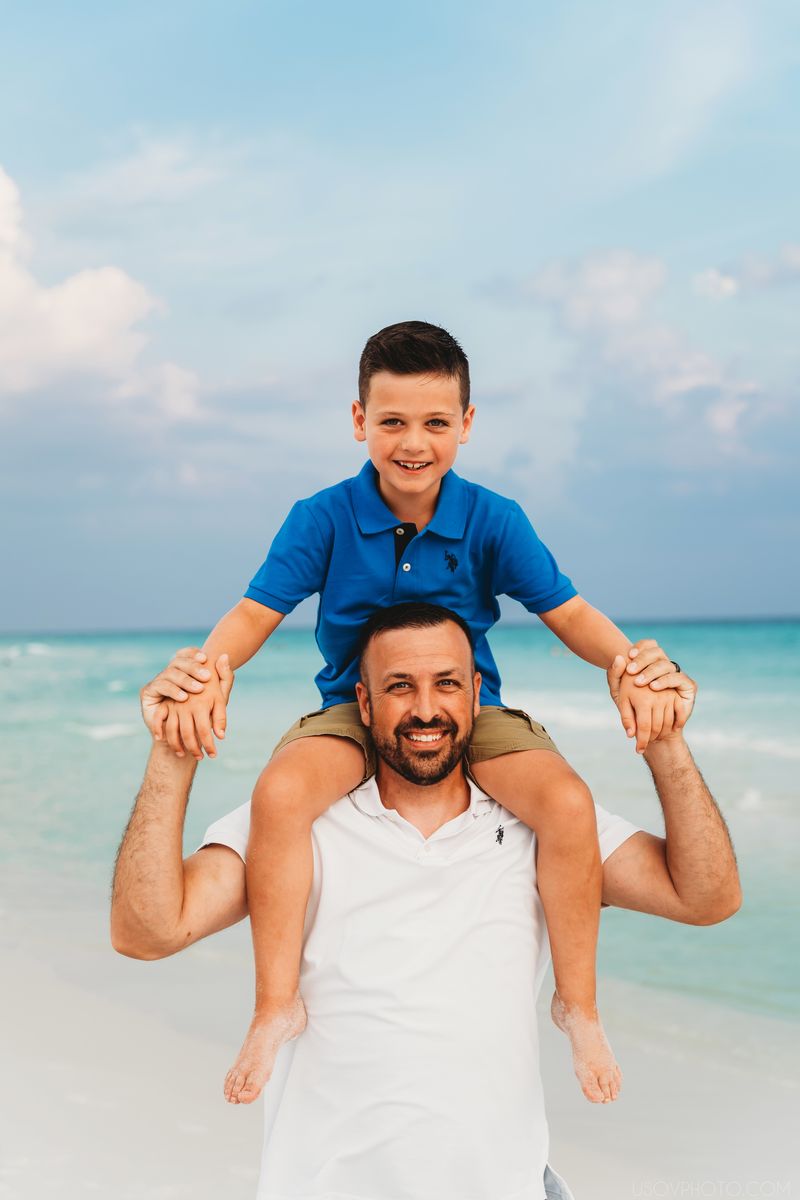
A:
(309, 628)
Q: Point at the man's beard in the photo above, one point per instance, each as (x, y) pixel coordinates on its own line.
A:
(423, 767)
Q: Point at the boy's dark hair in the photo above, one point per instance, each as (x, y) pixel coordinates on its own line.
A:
(412, 614)
(413, 348)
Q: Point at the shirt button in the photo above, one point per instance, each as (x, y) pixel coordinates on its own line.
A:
(400, 532)
(406, 566)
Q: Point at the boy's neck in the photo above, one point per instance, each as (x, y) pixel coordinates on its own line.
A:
(410, 510)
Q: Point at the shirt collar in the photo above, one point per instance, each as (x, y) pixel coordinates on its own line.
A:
(373, 515)
(367, 799)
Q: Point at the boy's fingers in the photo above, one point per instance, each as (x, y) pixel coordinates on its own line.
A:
(171, 690)
(657, 722)
(627, 716)
(204, 734)
(671, 679)
(614, 676)
(188, 737)
(172, 732)
(643, 728)
(157, 719)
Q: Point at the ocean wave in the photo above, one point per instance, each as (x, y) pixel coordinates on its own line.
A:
(105, 733)
(585, 714)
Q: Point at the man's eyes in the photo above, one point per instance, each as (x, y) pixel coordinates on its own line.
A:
(445, 683)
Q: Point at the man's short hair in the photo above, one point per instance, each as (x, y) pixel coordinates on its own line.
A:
(413, 348)
(412, 614)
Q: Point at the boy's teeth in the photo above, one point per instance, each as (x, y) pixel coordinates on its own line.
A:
(412, 466)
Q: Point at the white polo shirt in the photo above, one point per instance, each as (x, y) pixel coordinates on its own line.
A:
(417, 1077)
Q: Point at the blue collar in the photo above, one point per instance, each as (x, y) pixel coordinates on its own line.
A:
(374, 515)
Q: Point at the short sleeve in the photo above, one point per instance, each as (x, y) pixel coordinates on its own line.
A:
(612, 831)
(231, 830)
(524, 568)
(296, 564)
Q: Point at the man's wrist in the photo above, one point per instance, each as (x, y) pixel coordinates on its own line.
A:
(670, 750)
(164, 759)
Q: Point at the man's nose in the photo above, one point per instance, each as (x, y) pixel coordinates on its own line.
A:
(426, 704)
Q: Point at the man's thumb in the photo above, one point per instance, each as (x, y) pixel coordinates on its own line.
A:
(223, 665)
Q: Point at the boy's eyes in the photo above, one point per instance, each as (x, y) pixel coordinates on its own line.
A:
(435, 422)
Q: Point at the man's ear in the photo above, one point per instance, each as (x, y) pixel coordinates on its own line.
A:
(362, 696)
(466, 424)
(359, 422)
(476, 684)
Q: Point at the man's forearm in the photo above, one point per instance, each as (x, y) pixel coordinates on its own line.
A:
(148, 889)
(699, 852)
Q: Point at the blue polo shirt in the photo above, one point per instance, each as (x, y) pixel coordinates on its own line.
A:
(341, 542)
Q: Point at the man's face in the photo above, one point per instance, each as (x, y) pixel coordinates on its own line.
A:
(419, 698)
(413, 425)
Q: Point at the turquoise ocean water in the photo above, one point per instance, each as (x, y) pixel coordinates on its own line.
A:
(75, 749)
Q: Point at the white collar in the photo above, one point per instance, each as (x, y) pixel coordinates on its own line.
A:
(367, 799)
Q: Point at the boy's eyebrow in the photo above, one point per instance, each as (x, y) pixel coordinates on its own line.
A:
(439, 412)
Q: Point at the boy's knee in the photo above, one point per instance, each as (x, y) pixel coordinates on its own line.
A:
(277, 793)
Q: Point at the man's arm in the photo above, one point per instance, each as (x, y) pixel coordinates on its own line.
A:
(162, 903)
(690, 875)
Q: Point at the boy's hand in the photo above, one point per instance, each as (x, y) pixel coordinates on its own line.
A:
(646, 713)
(186, 701)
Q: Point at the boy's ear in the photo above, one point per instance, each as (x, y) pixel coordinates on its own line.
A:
(466, 425)
(359, 422)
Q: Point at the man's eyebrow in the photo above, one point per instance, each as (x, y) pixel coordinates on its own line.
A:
(450, 673)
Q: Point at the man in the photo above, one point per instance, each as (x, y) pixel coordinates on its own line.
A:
(425, 945)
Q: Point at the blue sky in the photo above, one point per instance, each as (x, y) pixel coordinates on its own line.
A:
(206, 209)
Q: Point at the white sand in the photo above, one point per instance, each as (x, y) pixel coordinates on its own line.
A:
(113, 1069)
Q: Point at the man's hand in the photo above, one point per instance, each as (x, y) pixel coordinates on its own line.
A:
(188, 726)
(650, 719)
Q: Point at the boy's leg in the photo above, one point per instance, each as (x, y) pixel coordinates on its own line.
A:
(540, 788)
(300, 782)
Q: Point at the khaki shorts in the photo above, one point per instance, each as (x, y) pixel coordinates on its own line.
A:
(497, 731)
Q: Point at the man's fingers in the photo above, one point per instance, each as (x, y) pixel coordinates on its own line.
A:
(643, 654)
(225, 673)
(614, 676)
(219, 719)
(662, 666)
(189, 652)
(657, 721)
(191, 667)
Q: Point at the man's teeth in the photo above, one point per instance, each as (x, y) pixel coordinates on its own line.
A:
(426, 737)
(412, 466)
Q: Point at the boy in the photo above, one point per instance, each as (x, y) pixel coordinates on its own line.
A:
(408, 528)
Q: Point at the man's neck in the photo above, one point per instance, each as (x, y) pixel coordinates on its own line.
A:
(426, 808)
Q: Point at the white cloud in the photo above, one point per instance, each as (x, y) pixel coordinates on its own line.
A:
(605, 302)
(85, 326)
(754, 272)
(715, 284)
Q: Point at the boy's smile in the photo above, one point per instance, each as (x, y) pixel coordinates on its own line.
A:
(413, 426)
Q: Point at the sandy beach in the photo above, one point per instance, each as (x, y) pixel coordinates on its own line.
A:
(117, 1068)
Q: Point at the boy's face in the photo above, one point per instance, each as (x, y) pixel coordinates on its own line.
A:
(413, 426)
